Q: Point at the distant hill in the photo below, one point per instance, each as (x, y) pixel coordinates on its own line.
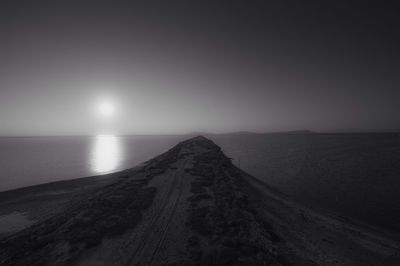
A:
(295, 132)
(263, 133)
(252, 133)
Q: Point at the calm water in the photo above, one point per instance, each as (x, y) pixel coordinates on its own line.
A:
(36, 160)
(356, 175)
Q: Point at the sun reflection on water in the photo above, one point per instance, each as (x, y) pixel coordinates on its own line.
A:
(106, 154)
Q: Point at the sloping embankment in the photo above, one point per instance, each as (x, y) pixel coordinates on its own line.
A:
(191, 206)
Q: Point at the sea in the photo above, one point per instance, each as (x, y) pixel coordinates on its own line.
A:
(354, 176)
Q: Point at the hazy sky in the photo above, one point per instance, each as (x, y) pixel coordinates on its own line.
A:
(182, 67)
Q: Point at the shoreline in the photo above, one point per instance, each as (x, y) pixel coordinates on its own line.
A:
(186, 205)
(67, 188)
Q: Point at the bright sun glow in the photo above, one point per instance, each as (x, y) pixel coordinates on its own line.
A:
(106, 109)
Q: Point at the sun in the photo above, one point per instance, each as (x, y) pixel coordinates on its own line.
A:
(106, 109)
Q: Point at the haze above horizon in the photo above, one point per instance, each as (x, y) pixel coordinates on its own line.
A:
(118, 67)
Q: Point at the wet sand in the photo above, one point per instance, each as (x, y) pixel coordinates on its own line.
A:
(14, 222)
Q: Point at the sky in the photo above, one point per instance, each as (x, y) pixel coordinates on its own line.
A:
(173, 67)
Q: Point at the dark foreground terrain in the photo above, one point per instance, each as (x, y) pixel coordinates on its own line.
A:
(188, 206)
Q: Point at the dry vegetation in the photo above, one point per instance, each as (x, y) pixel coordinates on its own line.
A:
(109, 211)
(226, 227)
(191, 206)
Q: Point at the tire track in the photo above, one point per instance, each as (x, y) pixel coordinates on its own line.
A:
(157, 226)
(164, 233)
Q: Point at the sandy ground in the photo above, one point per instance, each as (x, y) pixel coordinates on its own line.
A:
(161, 236)
(14, 222)
(291, 234)
(310, 238)
(37, 203)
